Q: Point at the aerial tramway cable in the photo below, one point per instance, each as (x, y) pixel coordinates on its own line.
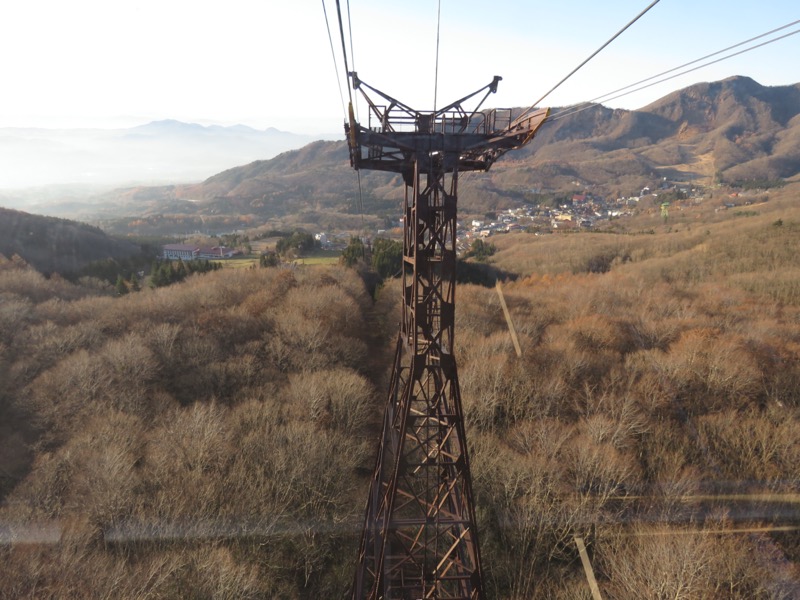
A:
(352, 51)
(697, 60)
(436, 73)
(595, 53)
(355, 107)
(567, 112)
(347, 111)
(344, 48)
(333, 54)
(605, 97)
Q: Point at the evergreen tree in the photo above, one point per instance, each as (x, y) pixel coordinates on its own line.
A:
(181, 271)
(155, 278)
(167, 274)
(387, 257)
(161, 274)
(120, 286)
(481, 250)
(298, 244)
(268, 260)
(353, 253)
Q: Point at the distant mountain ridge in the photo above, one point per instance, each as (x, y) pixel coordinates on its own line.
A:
(161, 151)
(725, 131)
(728, 130)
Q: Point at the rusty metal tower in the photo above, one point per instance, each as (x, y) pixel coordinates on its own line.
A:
(419, 538)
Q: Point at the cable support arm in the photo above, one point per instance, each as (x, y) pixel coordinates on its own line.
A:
(492, 89)
(464, 140)
(383, 115)
(421, 120)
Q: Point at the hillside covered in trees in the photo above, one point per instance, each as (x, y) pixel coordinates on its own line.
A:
(214, 438)
(729, 131)
(199, 440)
(52, 244)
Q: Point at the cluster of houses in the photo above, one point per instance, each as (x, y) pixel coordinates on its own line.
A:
(192, 252)
(583, 213)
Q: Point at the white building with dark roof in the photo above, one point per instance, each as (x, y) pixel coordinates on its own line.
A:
(190, 252)
(180, 251)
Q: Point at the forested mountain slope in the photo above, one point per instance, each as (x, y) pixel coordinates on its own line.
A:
(51, 244)
(730, 131)
(215, 438)
(199, 440)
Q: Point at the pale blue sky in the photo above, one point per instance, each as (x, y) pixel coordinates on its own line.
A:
(268, 62)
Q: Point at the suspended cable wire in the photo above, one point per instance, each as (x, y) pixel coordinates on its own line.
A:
(350, 96)
(350, 31)
(692, 62)
(333, 54)
(352, 52)
(436, 75)
(344, 49)
(595, 53)
(711, 63)
(752, 39)
(572, 111)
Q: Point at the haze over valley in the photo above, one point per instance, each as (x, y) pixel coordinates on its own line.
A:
(166, 151)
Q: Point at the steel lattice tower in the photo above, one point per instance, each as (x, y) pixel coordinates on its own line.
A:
(419, 538)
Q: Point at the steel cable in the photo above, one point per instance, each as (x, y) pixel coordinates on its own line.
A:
(590, 103)
(335, 65)
(595, 53)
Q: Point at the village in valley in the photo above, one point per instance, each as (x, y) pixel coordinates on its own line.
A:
(582, 211)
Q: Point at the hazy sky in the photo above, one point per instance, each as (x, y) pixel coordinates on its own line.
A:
(263, 63)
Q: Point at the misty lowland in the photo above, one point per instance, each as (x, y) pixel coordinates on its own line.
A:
(194, 368)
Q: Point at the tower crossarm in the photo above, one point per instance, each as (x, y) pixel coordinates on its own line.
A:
(453, 138)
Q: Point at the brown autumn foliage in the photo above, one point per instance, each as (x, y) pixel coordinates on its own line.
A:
(215, 438)
(200, 440)
(653, 412)
(666, 405)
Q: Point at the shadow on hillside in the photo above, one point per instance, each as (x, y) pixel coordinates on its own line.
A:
(481, 273)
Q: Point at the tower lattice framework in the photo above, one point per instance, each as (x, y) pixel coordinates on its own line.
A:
(420, 538)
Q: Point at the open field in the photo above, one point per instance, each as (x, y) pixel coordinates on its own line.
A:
(319, 257)
(317, 260)
(238, 263)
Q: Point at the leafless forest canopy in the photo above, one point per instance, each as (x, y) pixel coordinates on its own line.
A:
(214, 438)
